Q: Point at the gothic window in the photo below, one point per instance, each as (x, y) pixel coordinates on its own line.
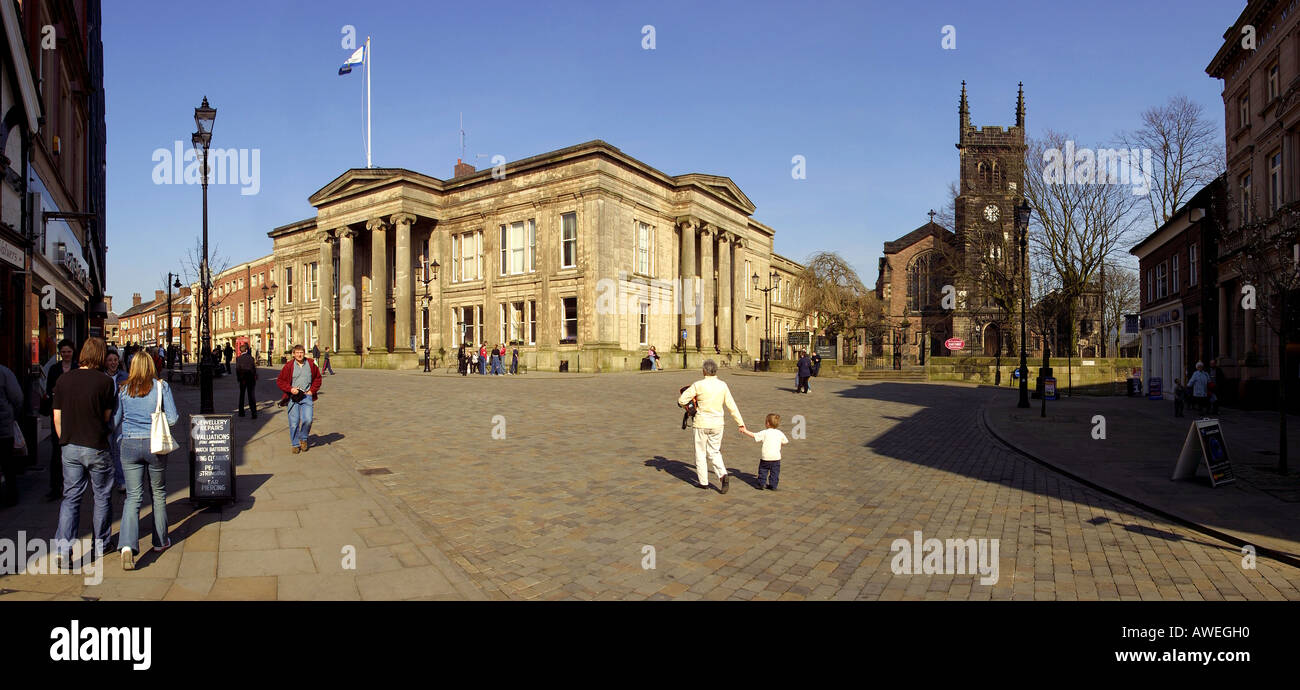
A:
(982, 174)
(924, 282)
(997, 176)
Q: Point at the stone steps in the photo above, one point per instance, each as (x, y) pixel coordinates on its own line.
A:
(911, 375)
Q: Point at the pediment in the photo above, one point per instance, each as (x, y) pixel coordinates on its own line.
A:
(718, 186)
(360, 180)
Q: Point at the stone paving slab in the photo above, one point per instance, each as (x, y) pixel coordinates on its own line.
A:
(1137, 457)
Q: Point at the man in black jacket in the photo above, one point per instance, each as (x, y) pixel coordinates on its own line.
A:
(805, 370)
(246, 374)
(230, 352)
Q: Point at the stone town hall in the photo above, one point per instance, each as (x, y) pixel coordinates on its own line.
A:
(916, 266)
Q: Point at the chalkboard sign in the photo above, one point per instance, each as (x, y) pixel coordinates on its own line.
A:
(212, 457)
(1205, 435)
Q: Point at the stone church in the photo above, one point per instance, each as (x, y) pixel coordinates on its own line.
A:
(977, 257)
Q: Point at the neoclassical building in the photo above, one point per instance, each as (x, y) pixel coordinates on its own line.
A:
(582, 258)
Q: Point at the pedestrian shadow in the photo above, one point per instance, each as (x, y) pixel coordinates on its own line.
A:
(326, 439)
(676, 468)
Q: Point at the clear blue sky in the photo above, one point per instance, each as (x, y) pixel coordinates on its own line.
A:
(863, 90)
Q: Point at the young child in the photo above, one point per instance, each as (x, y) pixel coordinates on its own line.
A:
(769, 464)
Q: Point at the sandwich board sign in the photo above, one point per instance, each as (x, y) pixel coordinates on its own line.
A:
(1205, 443)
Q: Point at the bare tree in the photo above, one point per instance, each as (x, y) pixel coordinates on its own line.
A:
(1186, 153)
(830, 291)
(1120, 295)
(1078, 221)
(193, 267)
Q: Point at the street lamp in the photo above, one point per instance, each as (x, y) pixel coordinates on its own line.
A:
(269, 296)
(1022, 233)
(428, 275)
(773, 281)
(205, 117)
(173, 281)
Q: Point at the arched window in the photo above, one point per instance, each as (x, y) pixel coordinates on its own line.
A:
(997, 176)
(924, 281)
(985, 174)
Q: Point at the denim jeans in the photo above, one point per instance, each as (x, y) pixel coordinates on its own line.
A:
(119, 478)
(137, 461)
(82, 465)
(498, 369)
(482, 366)
(299, 420)
(769, 473)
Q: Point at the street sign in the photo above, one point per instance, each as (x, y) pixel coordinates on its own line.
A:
(954, 343)
(212, 457)
(798, 338)
(1207, 436)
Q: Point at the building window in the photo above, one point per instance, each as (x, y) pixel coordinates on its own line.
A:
(1275, 180)
(240, 316)
(569, 314)
(288, 281)
(467, 256)
(644, 324)
(1272, 82)
(1162, 280)
(1191, 265)
(532, 322)
(288, 337)
(518, 247)
(644, 249)
(1244, 211)
(465, 323)
(923, 282)
(569, 240)
(312, 284)
(1243, 110)
(1174, 285)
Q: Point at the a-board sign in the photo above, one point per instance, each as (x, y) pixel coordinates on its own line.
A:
(1154, 391)
(1049, 388)
(954, 343)
(212, 457)
(1205, 445)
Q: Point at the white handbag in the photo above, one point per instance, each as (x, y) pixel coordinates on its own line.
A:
(160, 433)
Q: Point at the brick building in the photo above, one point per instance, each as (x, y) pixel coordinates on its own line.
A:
(240, 303)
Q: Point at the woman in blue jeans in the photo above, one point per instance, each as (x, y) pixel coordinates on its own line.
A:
(136, 402)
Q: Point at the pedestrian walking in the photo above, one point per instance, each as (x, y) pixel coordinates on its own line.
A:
(769, 464)
(482, 359)
(804, 371)
(514, 361)
(711, 396)
(83, 404)
(156, 353)
(137, 400)
(246, 375)
(816, 369)
(112, 367)
(326, 363)
(229, 354)
(499, 360)
(299, 380)
(52, 376)
(1199, 383)
(11, 401)
(315, 351)
(460, 359)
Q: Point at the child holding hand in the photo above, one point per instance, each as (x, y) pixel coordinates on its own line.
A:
(769, 464)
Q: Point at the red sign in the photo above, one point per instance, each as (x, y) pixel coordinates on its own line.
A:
(954, 343)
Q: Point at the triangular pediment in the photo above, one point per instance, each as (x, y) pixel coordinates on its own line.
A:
(360, 180)
(719, 186)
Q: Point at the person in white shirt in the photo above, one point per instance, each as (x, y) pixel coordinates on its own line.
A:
(711, 396)
(769, 464)
(1199, 383)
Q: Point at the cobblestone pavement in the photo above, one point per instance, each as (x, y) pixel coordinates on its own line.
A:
(590, 470)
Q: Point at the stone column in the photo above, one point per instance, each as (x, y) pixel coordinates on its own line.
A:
(724, 292)
(347, 291)
(1222, 345)
(708, 320)
(403, 294)
(738, 296)
(325, 327)
(378, 285)
(690, 307)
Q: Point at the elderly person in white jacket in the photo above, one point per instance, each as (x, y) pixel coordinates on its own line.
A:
(711, 396)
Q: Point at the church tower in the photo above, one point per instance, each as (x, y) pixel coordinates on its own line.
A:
(991, 182)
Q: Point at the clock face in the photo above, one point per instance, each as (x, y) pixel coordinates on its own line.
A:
(991, 213)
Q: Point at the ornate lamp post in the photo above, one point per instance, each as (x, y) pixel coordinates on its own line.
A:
(428, 275)
(773, 281)
(173, 281)
(204, 117)
(268, 294)
(1022, 234)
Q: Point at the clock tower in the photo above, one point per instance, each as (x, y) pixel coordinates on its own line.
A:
(991, 182)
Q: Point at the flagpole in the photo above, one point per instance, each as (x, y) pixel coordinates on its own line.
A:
(368, 58)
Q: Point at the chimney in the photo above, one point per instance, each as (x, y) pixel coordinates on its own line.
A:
(108, 301)
(159, 297)
(135, 300)
(463, 168)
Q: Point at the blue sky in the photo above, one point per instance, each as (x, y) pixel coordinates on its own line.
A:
(862, 90)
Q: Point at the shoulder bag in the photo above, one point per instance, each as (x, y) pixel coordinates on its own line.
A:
(160, 433)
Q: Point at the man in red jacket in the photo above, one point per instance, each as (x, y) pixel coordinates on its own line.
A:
(299, 380)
